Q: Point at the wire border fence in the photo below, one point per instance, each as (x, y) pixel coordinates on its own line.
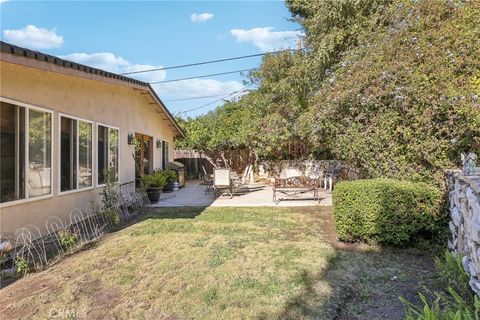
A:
(38, 250)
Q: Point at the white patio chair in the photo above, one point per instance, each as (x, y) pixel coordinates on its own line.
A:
(328, 178)
(207, 180)
(244, 179)
(222, 182)
(240, 184)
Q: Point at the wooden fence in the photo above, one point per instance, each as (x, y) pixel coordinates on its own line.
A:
(237, 160)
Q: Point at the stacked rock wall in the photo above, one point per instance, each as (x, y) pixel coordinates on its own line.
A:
(338, 169)
(464, 196)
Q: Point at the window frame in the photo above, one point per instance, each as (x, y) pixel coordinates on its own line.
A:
(27, 107)
(59, 158)
(97, 185)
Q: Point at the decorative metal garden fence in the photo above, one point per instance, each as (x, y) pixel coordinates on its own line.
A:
(36, 250)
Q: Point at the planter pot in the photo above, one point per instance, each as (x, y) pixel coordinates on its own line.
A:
(168, 187)
(154, 194)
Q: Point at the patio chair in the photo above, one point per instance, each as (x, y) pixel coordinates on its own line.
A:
(239, 183)
(244, 178)
(222, 184)
(207, 180)
(328, 178)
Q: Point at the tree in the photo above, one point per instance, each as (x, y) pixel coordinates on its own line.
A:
(390, 86)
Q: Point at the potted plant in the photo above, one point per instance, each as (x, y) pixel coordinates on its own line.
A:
(153, 184)
(171, 177)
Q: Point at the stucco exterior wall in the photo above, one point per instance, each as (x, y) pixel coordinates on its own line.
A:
(124, 107)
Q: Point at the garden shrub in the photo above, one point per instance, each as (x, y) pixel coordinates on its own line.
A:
(452, 274)
(110, 197)
(448, 306)
(22, 267)
(68, 239)
(388, 211)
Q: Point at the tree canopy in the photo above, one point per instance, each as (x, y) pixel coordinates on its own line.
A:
(390, 86)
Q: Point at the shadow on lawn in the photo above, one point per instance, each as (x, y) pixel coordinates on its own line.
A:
(173, 213)
(364, 284)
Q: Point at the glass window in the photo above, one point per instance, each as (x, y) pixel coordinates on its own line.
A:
(12, 152)
(107, 152)
(39, 153)
(25, 152)
(75, 154)
(85, 154)
(68, 154)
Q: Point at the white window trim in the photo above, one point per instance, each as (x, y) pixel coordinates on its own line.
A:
(52, 129)
(65, 115)
(97, 185)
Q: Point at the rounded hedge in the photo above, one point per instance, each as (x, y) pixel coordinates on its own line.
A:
(388, 211)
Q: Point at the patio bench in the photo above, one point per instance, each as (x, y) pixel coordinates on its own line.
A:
(296, 185)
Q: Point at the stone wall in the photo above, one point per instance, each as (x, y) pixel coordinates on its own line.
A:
(464, 196)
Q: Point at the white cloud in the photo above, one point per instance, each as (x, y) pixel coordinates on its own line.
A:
(266, 38)
(109, 62)
(2, 1)
(33, 37)
(200, 17)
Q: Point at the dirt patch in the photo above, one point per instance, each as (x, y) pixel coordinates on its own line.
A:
(379, 280)
(368, 280)
(31, 285)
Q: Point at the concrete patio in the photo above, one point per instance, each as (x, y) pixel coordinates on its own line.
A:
(258, 195)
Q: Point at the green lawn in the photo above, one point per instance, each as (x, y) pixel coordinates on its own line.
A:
(220, 263)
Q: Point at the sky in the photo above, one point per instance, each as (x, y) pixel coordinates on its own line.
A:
(125, 36)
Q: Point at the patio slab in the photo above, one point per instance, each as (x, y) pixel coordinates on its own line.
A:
(258, 195)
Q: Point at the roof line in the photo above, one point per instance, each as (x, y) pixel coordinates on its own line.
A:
(37, 55)
(32, 54)
(170, 116)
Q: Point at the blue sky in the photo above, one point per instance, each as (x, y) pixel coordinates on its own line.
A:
(122, 36)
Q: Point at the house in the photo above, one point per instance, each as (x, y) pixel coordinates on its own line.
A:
(62, 124)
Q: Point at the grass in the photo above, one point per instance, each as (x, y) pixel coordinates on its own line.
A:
(219, 263)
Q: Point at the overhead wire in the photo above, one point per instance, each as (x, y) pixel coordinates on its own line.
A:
(193, 98)
(210, 103)
(203, 76)
(206, 62)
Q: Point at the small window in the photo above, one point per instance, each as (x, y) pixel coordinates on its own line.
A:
(75, 154)
(107, 152)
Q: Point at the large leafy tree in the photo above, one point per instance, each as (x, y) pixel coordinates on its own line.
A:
(390, 86)
(403, 102)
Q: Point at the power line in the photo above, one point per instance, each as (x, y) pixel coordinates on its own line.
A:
(205, 62)
(193, 98)
(210, 103)
(203, 76)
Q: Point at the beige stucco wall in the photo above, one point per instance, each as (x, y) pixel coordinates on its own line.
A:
(116, 105)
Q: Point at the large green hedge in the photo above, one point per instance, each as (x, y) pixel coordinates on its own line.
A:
(387, 211)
